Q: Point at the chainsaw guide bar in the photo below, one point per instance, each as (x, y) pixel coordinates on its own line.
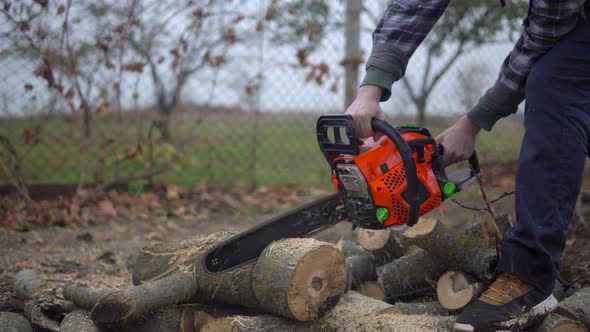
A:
(245, 247)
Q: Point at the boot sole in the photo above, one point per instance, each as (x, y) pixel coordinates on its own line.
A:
(523, 321)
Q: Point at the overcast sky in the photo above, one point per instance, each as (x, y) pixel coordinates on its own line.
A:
(283, 88)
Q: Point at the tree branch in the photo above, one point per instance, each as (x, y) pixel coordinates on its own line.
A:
(16, 174)
(446, 67)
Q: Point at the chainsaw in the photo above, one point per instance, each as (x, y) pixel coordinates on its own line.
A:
(389, 183)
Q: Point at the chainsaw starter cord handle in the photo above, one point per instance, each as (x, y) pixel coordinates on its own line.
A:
(411, 174)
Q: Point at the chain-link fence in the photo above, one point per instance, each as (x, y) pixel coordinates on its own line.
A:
(185, 92)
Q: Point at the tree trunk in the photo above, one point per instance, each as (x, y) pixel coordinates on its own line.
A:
(11, 322)
(421, 110)
(78, 321)
(471, 250)
(410, 274)
(312, 276)
(416, 308)
(455, 290)
(558, 323)
(165, 125)
(576, 307)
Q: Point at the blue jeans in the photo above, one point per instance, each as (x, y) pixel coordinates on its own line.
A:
(551, 162)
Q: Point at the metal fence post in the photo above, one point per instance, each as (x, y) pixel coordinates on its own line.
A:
(353, 53)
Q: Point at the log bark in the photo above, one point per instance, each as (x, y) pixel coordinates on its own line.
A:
(372, 289)
(472, 250)
(11, 322)
(576, 307)
(559, 291)
(343, 317)
(250, 324)
(163, 259)
(26, 284)
(455, 290)
(133, 303)
(83, 296)
(416, 308)
(354, 312)
(172, 319)
(351, 323)
(300, 279)
(558, 323)
(349, 248)
(197, 315)
(189, 282)
(410, 275)
(42, 306)
(382, 243)
(360, 269)
(78, 321)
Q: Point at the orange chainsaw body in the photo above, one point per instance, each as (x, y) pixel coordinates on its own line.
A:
(382, 167)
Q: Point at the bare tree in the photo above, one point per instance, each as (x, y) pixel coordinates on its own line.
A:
(472, 80)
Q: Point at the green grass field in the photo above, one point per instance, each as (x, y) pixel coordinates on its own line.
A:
(221, 150)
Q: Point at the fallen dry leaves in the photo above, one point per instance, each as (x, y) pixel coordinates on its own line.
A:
(165, 203)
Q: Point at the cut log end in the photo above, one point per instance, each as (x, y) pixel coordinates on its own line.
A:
(424, 227)
(455, 290)
(317, 283)
(371, 239)
(557, 323)
(299, 278)
(113, 307)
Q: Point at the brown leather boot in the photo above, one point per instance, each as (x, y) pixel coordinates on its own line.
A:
(508, 304)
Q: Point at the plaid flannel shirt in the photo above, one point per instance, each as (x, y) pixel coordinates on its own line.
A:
(407, 22)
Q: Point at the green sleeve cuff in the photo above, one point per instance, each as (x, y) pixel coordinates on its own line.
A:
(498, 102)
(381, 78)
(483, 118)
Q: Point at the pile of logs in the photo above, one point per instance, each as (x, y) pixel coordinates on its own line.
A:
(418, 280)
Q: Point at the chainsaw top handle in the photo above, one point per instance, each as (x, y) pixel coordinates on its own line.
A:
(333, 147)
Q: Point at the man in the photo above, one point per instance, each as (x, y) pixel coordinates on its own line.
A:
(550, 66)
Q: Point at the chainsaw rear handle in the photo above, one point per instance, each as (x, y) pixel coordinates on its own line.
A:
(458, 179)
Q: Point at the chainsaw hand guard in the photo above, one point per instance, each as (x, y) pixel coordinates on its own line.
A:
(393, 181)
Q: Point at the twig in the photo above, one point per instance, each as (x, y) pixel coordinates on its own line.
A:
(505, 194)
(467, 207)
(148, 175)
(478, 209)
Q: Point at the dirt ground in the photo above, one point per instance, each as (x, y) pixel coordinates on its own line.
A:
(97, 253)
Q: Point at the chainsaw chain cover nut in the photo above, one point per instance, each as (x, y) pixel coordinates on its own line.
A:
(449, 189)
(382, 214)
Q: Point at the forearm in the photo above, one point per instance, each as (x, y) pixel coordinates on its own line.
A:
(400, 31)
(548, 22)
